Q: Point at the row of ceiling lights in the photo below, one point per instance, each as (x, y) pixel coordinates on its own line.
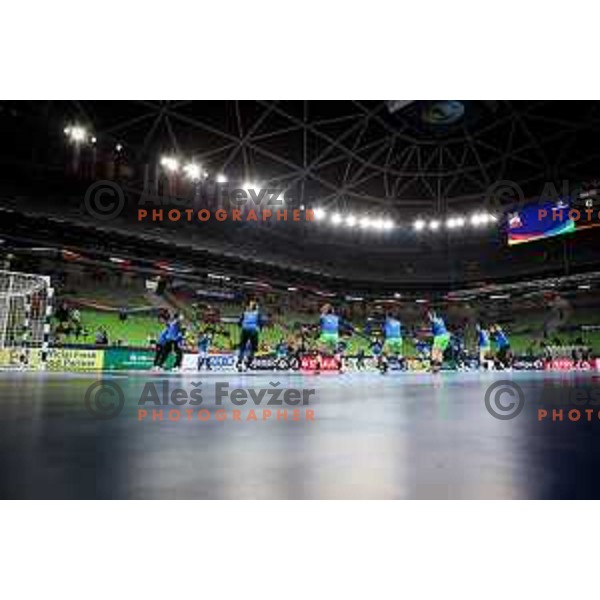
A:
(79, 135)
(363, 222)
(456, 222)
(195, 172)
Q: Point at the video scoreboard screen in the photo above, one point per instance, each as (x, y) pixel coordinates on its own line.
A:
(541, 220)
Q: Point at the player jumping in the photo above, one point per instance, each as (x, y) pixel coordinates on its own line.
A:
(441, 339)
(392, 330)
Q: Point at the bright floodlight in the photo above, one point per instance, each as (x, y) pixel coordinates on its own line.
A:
(379, 224)
(76, 134)
(482, 219)
(388, 224)
(365, 222)
(119, 147)
(433, 225)
(455, 222)
(250, 185)
(94, 139)
(419, 224)
(319, 214)
(351, 221)
(170, 163)
(221, 178)
(192, 171)
(336, 218)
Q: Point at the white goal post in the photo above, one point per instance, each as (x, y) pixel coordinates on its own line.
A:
(26, 305)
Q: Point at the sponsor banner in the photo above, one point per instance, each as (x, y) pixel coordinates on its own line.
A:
(566, 364)
(218, 362)
(528, 363)
(227, 362)
(11, 358)
(59, 359)
(328, 363)
(370, 364)
(264, 362)
(67, 359)
(417, 364)
(119, 359)
(189, 362)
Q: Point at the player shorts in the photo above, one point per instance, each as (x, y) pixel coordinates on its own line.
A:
(440, 342)
(393, 345)
(329, 340)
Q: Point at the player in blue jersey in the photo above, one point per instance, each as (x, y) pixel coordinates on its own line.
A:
(376, 347)
(204, 343)
(484, 346)
(502, 343)
(441, 339)
(173, 337)
(251, 322)
(328, 342)
(329, 323)
(178, 345)
(161, 347)
(392, 331)
(282, 354)
(281, 349)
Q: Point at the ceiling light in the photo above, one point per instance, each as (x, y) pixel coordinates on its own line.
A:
(170, 163)
(319, 213)
(192, 171)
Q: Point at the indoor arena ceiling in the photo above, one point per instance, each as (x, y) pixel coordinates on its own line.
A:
(411, 154)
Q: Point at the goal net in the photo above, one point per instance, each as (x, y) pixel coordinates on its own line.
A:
(25, 313)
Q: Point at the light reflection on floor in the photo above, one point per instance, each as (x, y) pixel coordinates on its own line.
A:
(395, 436)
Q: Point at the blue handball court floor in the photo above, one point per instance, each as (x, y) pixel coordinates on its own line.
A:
(292, 436)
